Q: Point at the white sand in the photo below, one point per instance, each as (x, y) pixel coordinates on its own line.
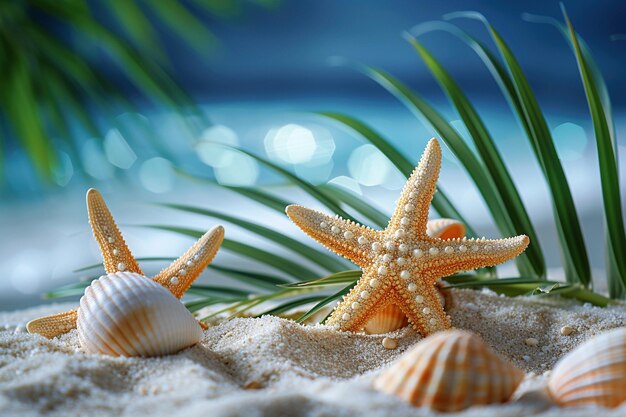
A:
(275, 367)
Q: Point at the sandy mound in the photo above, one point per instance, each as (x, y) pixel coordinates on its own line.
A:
(275, 367)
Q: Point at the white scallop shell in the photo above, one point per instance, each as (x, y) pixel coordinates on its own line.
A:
(450, 371)
(128, 314)
(592, 374)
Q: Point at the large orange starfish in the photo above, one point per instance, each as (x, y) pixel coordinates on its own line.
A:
(177, 277)
(402, 263)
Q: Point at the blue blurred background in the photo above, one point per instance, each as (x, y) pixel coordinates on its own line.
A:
(257, 86)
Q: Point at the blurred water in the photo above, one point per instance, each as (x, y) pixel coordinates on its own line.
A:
(45, 238)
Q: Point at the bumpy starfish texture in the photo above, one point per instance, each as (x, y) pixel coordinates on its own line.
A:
(402, 263)
(117, 257)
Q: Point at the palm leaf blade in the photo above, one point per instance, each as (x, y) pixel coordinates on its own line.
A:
(490, 156)
(609, 174)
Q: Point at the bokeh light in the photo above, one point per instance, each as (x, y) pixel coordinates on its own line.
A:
(242, 170)
(315, 173)
(28, 270)
(94, 161)
(570, 140)
(118, 151)
(296, 144)
(210, 148)
(157, 175)
(64, 171)
(348, 183)
(371, 167)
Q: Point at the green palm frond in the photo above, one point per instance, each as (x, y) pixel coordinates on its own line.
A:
(57, 59)
(491, 158)
(526, 107)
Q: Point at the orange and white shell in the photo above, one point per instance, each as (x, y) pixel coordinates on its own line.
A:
(592, 374)
(391, 318)
(445, 228)
(387, 319)
(450, 371)
(128, 314)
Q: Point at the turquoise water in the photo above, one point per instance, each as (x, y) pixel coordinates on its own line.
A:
(46, 236)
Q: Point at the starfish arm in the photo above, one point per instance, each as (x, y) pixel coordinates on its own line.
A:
(446, 257)
(348, 239)
(423, 308)
(445, 228)
(55, 325)
(179, 276)
(411, 214)
(361, 303)
(115, 254)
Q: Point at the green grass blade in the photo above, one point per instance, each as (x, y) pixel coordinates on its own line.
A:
(257, 279)
(529, 286)
(405, 166)
(302, 184)
(216, 291)
(140, 259)
(196, 305)
(441, 202)
(615, 283)
(607, 160)
(357, 202)
(490, 156)
(330, 263)
(290, 305)
(344, 277)
(184, 24)
(497, 70)
(22, 111)
(594, 70)
(461, 150)
(255, 194)
(324, 302)
(575, 259)
(69, 290)
(262, 197)
(134, 22)
(292, 269)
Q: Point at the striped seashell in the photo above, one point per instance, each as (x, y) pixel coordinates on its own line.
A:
(450, 371)
(391, 318)
(386, 320)
(592, 374)
(128, 314)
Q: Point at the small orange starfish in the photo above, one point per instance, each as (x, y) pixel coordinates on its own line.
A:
(402, 263)
(177, 277)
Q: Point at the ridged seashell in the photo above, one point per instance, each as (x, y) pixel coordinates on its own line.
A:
(450, 371)
(592, 374)
(127, 314)
(391, 318)
(386, 320)
(445, 228)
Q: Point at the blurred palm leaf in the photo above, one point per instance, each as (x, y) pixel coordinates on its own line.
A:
(58, 59)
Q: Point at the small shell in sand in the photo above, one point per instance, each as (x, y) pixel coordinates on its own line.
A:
(386, 320)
